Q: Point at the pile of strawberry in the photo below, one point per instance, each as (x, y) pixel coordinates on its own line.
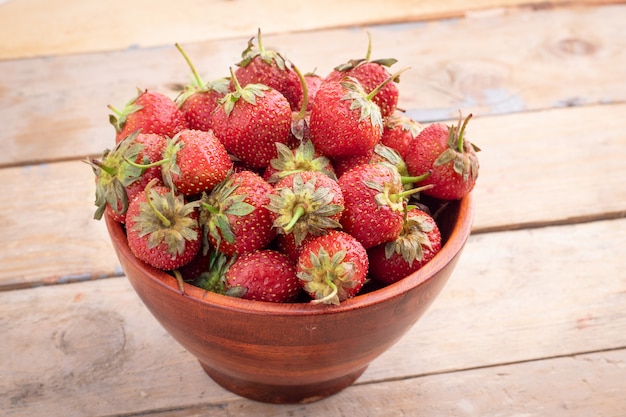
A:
(275, 186)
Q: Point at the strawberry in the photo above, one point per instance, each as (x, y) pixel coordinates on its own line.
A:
(162, 229)
(332, 268)
(344, 119)
(302, 158)
(235, 216)
(196, 162)
(371, 74)
(150, 111)
(250, 120)
(374, 203)
(198, 100)
(380, 153)
(268, 67)
(399, 132)
(305, 203)
(418, 242)
(449, 156)
(263, 275)
(149, 160)
(114, 174)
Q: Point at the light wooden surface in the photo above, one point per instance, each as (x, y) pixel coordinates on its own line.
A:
(533, 321)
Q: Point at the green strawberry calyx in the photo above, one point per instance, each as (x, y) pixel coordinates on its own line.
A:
(216, 207)
(169, 163)
(405, 123)
(166, 219)
(304, 209)
(214, 280)
(359, 100)
(328, 277)
(114, 173)
(392, 193)
(118, 118)
(303, 158)
(268, 56)
(412, 240)
(459, 151)
(249, 93)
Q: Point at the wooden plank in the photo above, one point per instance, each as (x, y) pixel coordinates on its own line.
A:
(578, 386)
(73, 26)
(556, 166)
(49, 235)
(54, 108)
(536, 169)
(93, 347)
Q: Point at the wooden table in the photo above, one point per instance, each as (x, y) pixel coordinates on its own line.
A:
(532, 322)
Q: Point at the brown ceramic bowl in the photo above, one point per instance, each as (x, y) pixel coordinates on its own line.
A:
(289, 353)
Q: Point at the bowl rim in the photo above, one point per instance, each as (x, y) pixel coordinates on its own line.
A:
(459, 234)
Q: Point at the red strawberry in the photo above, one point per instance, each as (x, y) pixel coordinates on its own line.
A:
(235, 216)
(400, 131)
(267, 67)
(198, 100)
(149, 160)
(449, 156)
(114, 174)
(162, 229)
(302, 158)
(197, 162)
(344, 120)
(249, 122)
(263, 275)
(343, 164)
(371, 74)
(332, 267)
(374, 203)
(418, 242)
(380, 153)
(152, 112)
(305, 203)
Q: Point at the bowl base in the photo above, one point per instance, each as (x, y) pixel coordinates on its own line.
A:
(282, 394)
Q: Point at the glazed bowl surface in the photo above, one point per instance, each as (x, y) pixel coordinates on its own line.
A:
(299, 352)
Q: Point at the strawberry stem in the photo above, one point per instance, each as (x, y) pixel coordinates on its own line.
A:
(179, 279)
(461, 145)
(235, 80)
(384, 83)
(164, 220)
(297, 214)
(196, 76)
(397, 197)
(109, 170)
(146, 166)
(114, 110)
(369, 47)
(419, 178)
(258, 41)
(330, 296)
(305, 93)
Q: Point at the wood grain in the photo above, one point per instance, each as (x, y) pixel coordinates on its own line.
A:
(61, 101)
(530, 176)
(73, 26)
(578, 386)
(95, 345)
